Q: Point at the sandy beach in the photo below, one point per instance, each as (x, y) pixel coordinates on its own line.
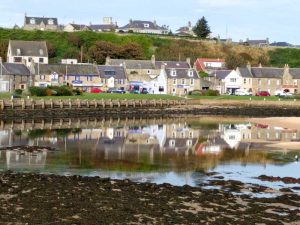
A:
(283, 122)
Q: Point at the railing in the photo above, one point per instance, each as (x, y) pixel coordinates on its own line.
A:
(33, 104)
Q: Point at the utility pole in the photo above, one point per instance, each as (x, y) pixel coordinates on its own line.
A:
(81, 53)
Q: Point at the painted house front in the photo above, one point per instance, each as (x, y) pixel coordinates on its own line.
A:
(113, 77)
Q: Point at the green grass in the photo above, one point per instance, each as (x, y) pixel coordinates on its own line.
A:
(253, 98)
(5, 95)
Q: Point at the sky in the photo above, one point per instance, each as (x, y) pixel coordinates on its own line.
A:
(237, 19)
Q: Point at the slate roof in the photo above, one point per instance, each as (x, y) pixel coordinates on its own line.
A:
(257, 42)
(132, 64)
(245, 72)
(70, 69)
(39, 20)
(182, 73)
(267, 72)
(80, 26)
(281, 44)
(173, 64)
(98, 27)
(220, 74)
(29, 48)
(139, 24)
(15, 69)
(118, 70)
(295, 72)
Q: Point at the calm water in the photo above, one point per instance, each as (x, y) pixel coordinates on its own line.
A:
(177, 151)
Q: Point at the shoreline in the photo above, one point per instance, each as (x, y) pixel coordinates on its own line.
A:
(45, 199)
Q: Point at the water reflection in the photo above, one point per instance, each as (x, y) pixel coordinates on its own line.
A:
(144, 150)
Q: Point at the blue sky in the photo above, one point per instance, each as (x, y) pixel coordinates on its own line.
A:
(256, 19)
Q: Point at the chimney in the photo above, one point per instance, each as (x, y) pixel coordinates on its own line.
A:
(189, 24)
(153, 60)
(107, 61)
(260, 65)
(154, 22)
(130, 21)
(188, 60)
(249, 66)
(286, 68)
(163, 66)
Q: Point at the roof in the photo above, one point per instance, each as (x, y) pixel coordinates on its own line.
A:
(139, 78)
(257, 42)
(98, 27)
(29, 48)
(132, 64)
(266, 72)
(70, 69)
(221, 74)
(15, 69)
(295, 72)
(39, 20)
(182, 73)
(119, 72)
(80, 26)
(139, 24)
(200, 63)
(281, 44)
(245, 72)
(173, 64)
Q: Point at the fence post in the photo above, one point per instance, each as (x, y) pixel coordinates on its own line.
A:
(12, 104)
(51, 103)
(70, 104)
(2, 104)
(32, 104)
(43, 103)
(96, 104)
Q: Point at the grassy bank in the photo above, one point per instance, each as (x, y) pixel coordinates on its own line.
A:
(242, 98)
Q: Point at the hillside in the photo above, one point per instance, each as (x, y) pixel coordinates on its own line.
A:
(96, 46)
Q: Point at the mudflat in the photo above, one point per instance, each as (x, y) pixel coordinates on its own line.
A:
(50, 199)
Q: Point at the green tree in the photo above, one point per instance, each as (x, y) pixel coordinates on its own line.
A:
(202, 30)
(233, 61)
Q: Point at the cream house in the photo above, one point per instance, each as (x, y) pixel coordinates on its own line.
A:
(26, 52)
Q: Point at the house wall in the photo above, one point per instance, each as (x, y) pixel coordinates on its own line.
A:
(69, 28)
(265, 84)
(40, 27)
(83, 82)
(182, 86)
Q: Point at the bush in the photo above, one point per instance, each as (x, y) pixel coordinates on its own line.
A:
(38, 91)
(77, 91)
(18, 91)
(204, 93)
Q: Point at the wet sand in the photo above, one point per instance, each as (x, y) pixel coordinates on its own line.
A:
(282, 122)
(42, 199)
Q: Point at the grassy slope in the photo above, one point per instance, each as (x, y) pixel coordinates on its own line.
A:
(165, 48)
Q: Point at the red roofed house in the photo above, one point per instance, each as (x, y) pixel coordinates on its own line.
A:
(209, 65)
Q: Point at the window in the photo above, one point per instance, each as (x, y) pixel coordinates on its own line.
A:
(146, 25)
(192, 82)
(191, 135)
(174, 91)
(278, 82)
(191, 74)
(173, 73)
(41, 52)
(32, 21)
(174, 135)
(77, 78)
(41, 60)
(149, 72)
(17, 59)
(89, 78)
(172, 143)
(245, 81)
(161, 89)
(189, 143)
(109, 73)
(18, 51)
(296, 82)
(232, 80)
(174, 81)
(50, 22)
(183, 81)
(42, 77)
(22, 86)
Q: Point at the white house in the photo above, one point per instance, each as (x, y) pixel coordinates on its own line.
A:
(26, 52)
(233, 81)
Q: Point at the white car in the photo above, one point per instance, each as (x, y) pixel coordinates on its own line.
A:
(242, 92)
(283, 94)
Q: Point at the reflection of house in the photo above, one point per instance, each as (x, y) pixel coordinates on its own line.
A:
(25, 160)
(40, 23)
(145, 27)
(27, 51)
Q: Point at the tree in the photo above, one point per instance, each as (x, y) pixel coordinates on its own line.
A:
(103, 49)
(51, 50)
(3, 49)
(233, 61)
(74, 40)
(131, 51)
(201, 29)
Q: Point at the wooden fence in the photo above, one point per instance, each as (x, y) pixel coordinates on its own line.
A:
(32, 104)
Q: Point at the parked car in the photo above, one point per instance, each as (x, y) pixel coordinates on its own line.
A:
(144, 91)
(134, 91)
(283, 94)
(263, 93)
(117, 91)
(242, 92)
(96, 91)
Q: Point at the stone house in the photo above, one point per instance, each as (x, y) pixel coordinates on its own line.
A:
(40, 23)
(72, 27)
(49, 74)
(145, 27)
(14, 76)
(106, 26)
(26, 52)
(113, 77)
(186, 31)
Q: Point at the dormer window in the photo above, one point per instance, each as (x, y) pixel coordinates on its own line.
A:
(149, 72)
(109, 73)
(50, 22)
(191, 73)
(41, 52)
(18, 51)
(32, 21)
(173, 73)
(146, 25)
